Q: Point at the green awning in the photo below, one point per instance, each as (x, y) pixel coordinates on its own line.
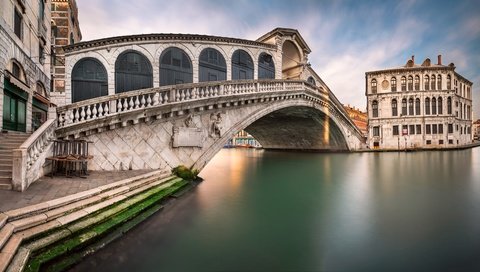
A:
(14, 89)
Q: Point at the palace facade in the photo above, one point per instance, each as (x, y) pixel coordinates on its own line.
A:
(418, 107)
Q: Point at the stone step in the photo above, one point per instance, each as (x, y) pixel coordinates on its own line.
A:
(4, 166)
(5, 186)
(35, 219)
(5, 160)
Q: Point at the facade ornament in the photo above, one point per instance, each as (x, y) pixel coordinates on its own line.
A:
(215, 125)
(189, 135)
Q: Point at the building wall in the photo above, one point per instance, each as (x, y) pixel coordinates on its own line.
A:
(66, 29)
(25, 50)
(460, 118)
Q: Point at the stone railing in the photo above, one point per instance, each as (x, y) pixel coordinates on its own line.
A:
(28, 159)
(102, 107)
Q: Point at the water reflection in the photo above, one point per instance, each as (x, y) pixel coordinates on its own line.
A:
(270, 211)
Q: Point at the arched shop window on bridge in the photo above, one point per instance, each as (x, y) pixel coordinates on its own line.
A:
(89, 80)
(266, 67)
(311, 80)
(175, 67)
(242, 65)
(212, 66)
(133, 71)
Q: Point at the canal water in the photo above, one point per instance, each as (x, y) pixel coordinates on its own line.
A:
(286, 211)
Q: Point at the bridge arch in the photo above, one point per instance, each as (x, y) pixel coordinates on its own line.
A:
(72, 61)
(266, 66)
(243, 66)
(133, 71)
(292, 60)
(89, 79)
(176, 67)
(342, 135)
(212, 65)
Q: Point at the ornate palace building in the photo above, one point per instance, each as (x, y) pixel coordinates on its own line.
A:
(418, 106)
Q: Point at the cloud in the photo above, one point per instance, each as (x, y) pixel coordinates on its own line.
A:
(347, 38)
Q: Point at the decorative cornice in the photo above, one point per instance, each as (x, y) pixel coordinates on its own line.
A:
(280, 31)
(409, 69)
(160, 37)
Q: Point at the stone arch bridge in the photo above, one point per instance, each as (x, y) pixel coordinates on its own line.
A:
(188, 124)
(160, 100)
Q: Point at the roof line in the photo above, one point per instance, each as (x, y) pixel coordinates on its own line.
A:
(160, 37)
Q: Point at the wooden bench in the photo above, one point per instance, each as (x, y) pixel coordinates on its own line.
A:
(70, 157)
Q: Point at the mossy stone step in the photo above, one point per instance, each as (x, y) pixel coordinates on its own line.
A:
(90, 229)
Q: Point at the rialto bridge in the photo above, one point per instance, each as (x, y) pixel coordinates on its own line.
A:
(160, 100)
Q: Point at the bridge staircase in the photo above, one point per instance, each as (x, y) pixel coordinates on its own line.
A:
(8, 142)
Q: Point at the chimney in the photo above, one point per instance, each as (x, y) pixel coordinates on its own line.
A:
(439, 59)
(413, 59)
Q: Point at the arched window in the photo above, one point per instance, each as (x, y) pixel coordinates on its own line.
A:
(439, 82)
(410, 83)
(394, 84)
(242, 65)
(133, 71)
(417, 106)
(404, 83)
(375, 108)
(449, 82)
(404, 107)
(374, 85)
(212, 66)
(427, 82)
(449, 105)
(433, 83)
(427, 106)
(394, 107)
(89, 80)
(266, 67)
(175, 67)
(18, 72)
(311, 80)
(434, 105)
(440, 105)
(410, 106)
(40, 89)
(417, 83)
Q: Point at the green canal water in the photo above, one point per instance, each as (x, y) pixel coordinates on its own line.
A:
(285, 211)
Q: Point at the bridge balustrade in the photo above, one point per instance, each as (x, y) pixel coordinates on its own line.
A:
(101, 107)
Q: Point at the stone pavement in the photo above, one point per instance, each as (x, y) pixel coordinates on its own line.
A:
(47, 188)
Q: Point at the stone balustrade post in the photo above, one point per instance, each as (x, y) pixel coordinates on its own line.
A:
(19, 169)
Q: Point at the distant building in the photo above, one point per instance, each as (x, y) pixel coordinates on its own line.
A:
(358, 117)
(243, 139)
(25, 44)
(476, 130)
(65, 31)
(418, 106)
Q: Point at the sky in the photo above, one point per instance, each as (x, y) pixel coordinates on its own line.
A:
(347, 38)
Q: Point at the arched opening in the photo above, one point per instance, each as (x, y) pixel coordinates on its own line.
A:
(311, 80)
(302, 128)
(89, 80)
(133, 71)
(242, 65)
(40, 105)
(175, 67)
(15, 97)
(291, 61)
(266, 67)
(212, 66)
